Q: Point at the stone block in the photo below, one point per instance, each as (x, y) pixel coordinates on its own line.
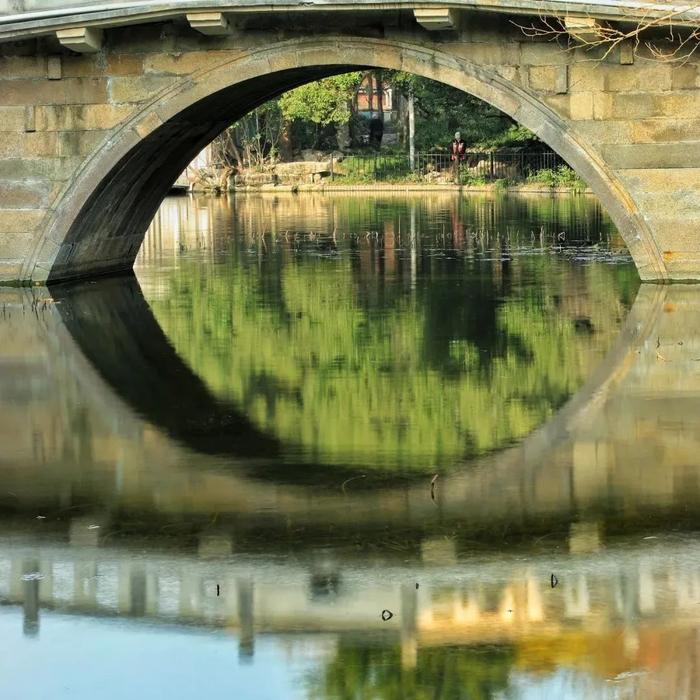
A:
(549, 79)
(534, 53)
(49, 92)
(581, 106)
(54, 68)
(652, 155)
(17, 221)
(638, 78)
(684, 77)
(586, 77)
(148, 125)
(79, 143)
(510, 73)
(12, 119)
(664, 130)
(30, 118)
(87, 65)
(15, 246)
(655, 130)
(633, 106)
(665, 193)
(184, 63)
(27, 145)
(486, 54)
(23, 67)
(10, 271)
(626, 53)
(682, 103)
(602, 105)
(26, 194)
(138, 89)
(58, 169)
(81, 117)
(125, 64)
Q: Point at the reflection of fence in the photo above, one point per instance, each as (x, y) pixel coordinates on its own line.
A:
(475, 165)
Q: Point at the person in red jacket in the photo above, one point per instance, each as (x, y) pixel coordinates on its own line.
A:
(458, 154)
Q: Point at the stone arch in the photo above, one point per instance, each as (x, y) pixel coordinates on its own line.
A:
(101, 217)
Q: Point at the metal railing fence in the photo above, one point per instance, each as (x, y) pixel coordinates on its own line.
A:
(475, 165)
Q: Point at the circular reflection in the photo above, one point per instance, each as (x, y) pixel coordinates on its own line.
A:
(388, 333)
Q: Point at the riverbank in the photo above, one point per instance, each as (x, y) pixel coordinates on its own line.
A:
(493, 188)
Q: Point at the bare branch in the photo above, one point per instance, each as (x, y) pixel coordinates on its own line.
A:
(678, 45)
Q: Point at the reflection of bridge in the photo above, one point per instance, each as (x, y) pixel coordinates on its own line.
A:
(104, 111)
(473, 601)
(576, 466)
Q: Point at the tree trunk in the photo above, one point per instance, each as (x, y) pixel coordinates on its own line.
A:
(411, 130)
(286, 146)
(342, 133)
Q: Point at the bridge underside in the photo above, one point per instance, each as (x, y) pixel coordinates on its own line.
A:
(90, 143)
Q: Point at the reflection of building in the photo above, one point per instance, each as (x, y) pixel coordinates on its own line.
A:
(615, 614)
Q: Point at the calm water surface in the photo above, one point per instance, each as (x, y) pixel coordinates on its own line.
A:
(306, 410)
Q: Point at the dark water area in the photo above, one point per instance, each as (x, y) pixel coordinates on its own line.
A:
(353, 446)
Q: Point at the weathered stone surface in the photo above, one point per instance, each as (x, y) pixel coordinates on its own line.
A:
(81, 117)
(639, 77)
(23, 67)
(26, 194)
(16, 222)
(27, 145)
(11, 118)
(653, 155)
(68, 91)
(541, 54)
(137, 89)
(549, 79)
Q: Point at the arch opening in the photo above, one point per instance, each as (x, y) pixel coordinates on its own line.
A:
(102, 217)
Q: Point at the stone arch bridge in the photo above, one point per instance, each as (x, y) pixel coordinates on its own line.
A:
(103, 105)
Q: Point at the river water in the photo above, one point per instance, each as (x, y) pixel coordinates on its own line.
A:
(354, 446)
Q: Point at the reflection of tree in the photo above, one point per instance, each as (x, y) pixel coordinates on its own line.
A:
(441, 673)
(337, 355)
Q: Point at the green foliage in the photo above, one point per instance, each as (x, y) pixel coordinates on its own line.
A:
(563, 177)
(441, 110)
(322, 102)
(515, 136)
(470, 180)
(386, 167)
(365, 670)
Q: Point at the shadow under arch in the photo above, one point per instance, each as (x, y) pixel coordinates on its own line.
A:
(138, 362)
(101, 219)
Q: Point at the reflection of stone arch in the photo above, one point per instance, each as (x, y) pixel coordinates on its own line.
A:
(136, 359)
(101, 217)
(116, 330)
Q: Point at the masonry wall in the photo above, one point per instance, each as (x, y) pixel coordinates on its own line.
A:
(628, 123)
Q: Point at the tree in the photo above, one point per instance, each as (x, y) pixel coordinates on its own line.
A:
(323, 102)
(440, 110)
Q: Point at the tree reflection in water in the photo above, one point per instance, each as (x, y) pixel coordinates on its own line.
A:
(365, 670)
(407, 347)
